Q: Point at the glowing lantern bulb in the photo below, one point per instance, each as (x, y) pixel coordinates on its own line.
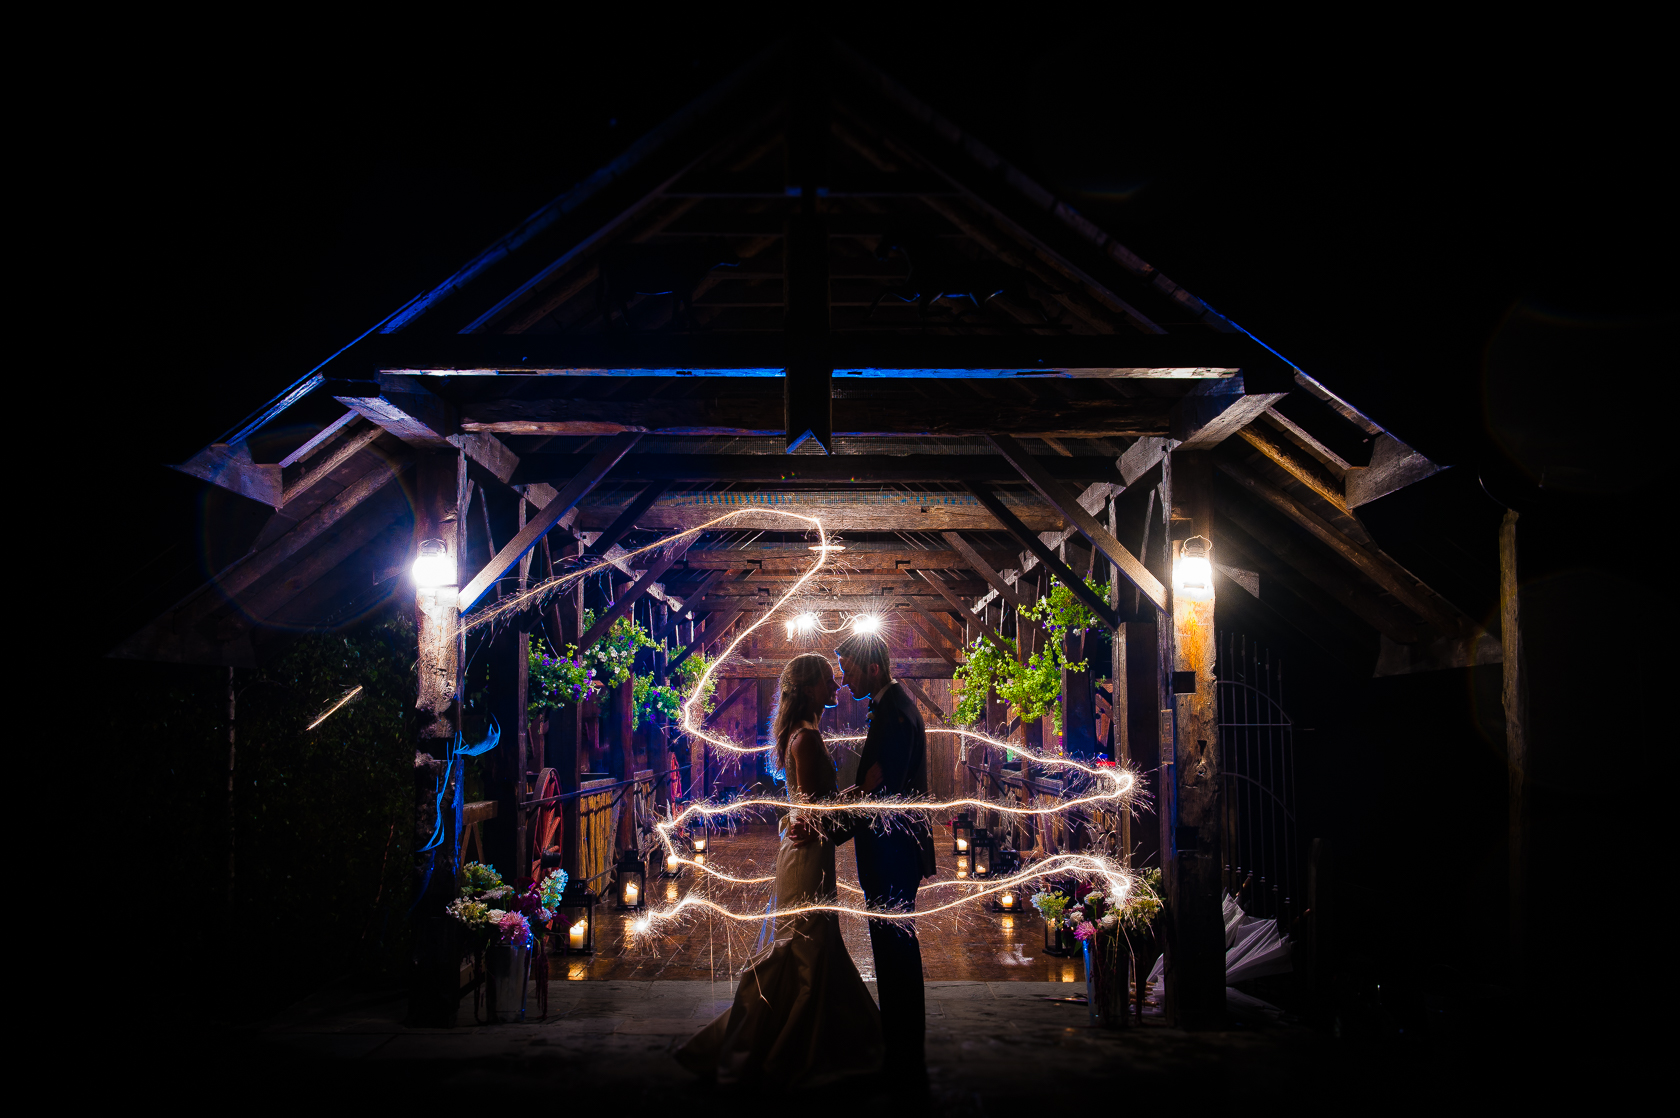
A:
(1193, 571)
(866, 624)
(433, 567)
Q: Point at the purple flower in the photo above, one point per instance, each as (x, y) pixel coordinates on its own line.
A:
(1085, 930)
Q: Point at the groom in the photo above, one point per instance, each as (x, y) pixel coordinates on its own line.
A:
(892, 859)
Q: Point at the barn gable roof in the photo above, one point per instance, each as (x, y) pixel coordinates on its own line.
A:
(806, 258)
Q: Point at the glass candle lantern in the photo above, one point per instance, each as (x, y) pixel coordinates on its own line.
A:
(980, 853)
(631, 888)
(574, 922)
(961, 832)
(1008, 901)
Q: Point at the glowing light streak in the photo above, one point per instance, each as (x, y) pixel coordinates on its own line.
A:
(357, 690)
(1118, 880)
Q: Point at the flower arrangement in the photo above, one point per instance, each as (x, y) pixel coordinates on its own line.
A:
(1090, 912)
(614, 655)
(491, 911)
(649, 698)
(557, 680)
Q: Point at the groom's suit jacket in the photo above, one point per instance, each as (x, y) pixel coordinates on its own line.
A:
(897, 741)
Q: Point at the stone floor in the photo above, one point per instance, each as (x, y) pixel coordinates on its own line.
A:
(991, 1046)
(974, 944)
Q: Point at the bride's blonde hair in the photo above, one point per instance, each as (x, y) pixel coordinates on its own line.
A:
(793, 705)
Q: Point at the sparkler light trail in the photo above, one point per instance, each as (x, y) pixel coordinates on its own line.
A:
(1112, 789)
(357, 690)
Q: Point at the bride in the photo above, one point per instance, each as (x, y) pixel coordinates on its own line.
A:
(802, 1015)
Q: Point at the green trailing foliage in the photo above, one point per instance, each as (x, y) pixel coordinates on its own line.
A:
(1032, 689)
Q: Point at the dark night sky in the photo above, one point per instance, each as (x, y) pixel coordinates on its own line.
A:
(1386, 207)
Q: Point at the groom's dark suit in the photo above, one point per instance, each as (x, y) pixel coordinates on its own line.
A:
(890, 864)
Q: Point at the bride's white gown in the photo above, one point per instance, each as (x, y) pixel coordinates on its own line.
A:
(802, 1015)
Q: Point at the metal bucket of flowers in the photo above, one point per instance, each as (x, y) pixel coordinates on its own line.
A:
(501, 927)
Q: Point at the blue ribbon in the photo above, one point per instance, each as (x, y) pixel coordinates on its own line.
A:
(459, 750)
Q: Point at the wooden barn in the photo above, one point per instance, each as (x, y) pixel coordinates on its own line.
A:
(807, 292)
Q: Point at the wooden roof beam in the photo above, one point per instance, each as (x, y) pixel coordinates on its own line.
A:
(1407, 588)
(686, 611)
(934, 642)
(1065, 503)
(862, 468)
(376, 369)
(1207, 416)
(538, 526)
(1051, 560)
(629, 598)
(978, 564)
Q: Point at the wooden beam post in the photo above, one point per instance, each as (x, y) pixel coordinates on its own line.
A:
(808, 393)
(1063, 502)
(1514, 695)
(1046, 555)
(434, 989)
(1119, 701)
(546, 517)
(1196, 972)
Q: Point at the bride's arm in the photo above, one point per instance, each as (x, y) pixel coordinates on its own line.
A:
(805, 751)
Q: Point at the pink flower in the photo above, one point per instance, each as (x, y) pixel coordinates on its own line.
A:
(1085, 930)
(514, 929)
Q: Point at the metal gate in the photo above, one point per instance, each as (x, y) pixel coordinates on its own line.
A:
(1257, 759)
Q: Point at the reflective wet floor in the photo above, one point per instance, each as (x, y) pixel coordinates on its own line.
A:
(971, 943)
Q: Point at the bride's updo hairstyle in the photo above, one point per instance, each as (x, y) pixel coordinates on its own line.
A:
(793, 705)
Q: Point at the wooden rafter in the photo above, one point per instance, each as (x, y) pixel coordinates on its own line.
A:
(1064, 575)
(1407, 588)
(546, 517)
(630, 597)
(1065, 503)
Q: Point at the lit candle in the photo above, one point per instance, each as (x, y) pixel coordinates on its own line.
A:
(670, 863)
(631, 892)
(700, 843)
(1007, 900)
(962, 844)
(577, 933)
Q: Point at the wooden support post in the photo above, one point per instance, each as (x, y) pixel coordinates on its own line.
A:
(1514, 695)
(808, 393)
(1079, 713)
(1196, 973)
(509, 667)
(231, 817)
(1119, 701)
(434, 987)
